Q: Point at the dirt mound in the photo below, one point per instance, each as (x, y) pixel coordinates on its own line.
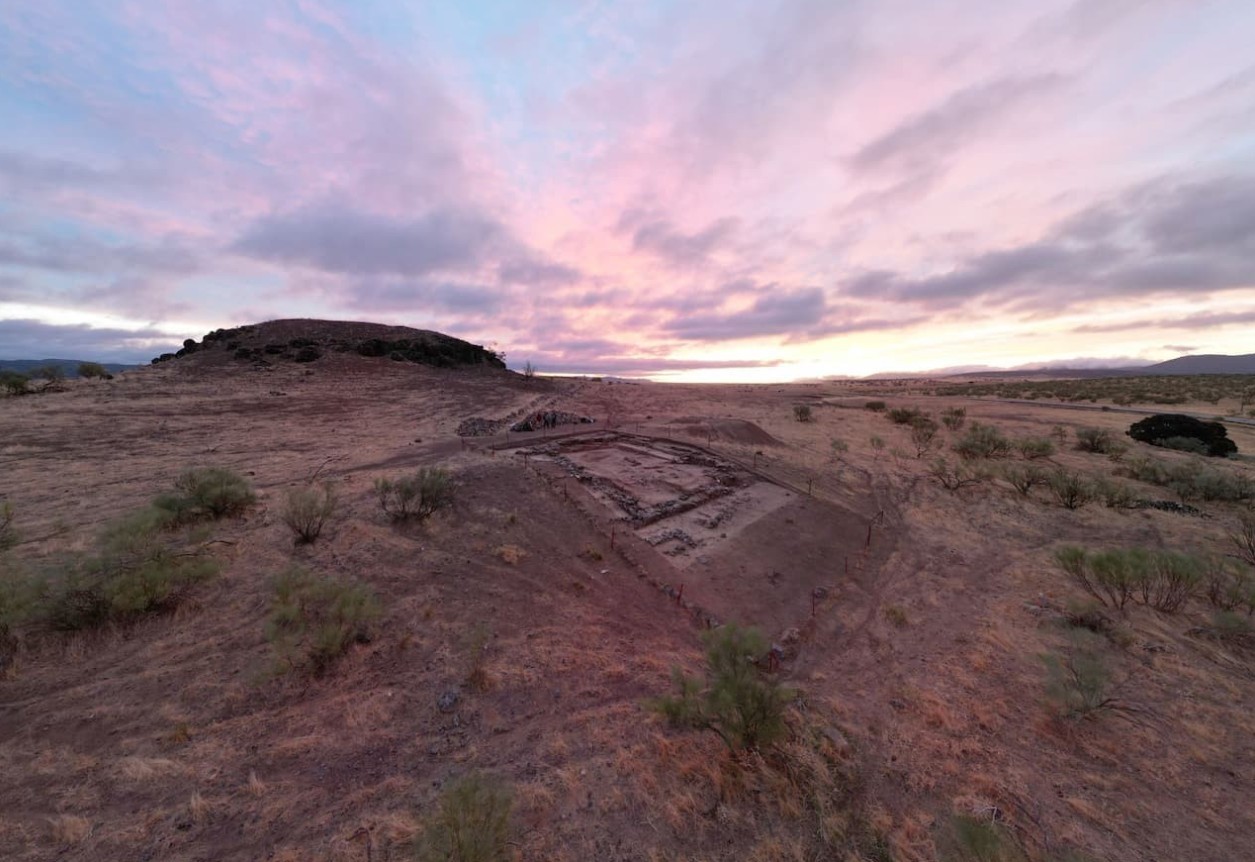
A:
(301, 340)
(727, 430)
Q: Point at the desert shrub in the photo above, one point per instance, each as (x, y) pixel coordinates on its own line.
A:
(307, 510)
(1096, 440)
(1071, 490)
(14, 383)
(140, 569)
(1230, 627)
(952, 478)
(983, 441)
(802, 412)
(1243, 537)
(1078, 684)
(1115, 495)
(314, 619)
(472, 824)
(91, 370)
(875, 406)
(923, 435)
(954, 417)
(1035, 448)
(1191, 445)
(415, 497)
(1158, 429)
(1024, 479)
(974, 839)
(206, 493)
(8, 533)
(736, 702)
(877, 444)
(905, 415)
(1163, 580)
(1192, 480)
(308, 353)
(1228, 586)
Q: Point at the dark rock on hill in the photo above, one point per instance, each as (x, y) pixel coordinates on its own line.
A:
(308, 341)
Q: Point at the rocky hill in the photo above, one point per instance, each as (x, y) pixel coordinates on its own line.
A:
(305, 340)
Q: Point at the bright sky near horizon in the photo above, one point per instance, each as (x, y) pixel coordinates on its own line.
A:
(687, 190)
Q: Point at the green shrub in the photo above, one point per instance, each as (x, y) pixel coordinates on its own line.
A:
(1191, 445)
(1035, 448)
(905, 415)
(983, 441)
(952, 478)
(472, 824)
(972, 839)
(1115, 495)
(1096, 440)
(91, 370)
(8, 534)
(415, 497)
(1071, 490)
(315, 619)
(139, 570)
(206, 493)
(1163, 580)
(1230, 627)
(307, 510)
(1192, 480)
(1243, 537)
(802, 412)
(1228, 586)
(954, 417)
(736, 702)
(923, 434)
(1078, 683)
(875, 406)
(1024, 479)
(14, 383)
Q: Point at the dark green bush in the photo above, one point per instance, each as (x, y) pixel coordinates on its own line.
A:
(954, 417)
(1035, 448)
(905, 415)
(1192, 445)
(315, 619)
(472, 824)
(875, 406)
(206, 493)
(1097, 440)
(1163, 580)
(307, 511)
(1158, 429)
(1071, 490)
(415, 497)
(735, 701)
(802, 412)
(983, 441)
(14, 383)
(91, 370)
(1024, 479)
(1192, 480)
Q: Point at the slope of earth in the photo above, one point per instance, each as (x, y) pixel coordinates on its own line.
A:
(918, 667)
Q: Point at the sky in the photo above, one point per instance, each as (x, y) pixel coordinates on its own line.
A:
(691, 190)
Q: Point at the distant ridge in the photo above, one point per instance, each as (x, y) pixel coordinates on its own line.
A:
(1205, 363)
(69, 367)
(311, 341)
(1214, 363)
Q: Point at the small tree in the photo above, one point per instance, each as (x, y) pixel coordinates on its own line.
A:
(307, 511)
(415, 497)
(735, 701)
(954, 417)
(802, 412)
(91, 370)
(923, 434)
(472, 824)
(1243, 537)
(529, 370)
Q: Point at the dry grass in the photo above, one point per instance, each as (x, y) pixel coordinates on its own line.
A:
(68, 829)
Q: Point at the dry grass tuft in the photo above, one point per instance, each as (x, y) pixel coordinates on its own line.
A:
(68, 829)
(511, 554)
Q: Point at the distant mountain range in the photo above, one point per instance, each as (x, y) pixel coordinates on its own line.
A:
(68, 366)
(1213, 363)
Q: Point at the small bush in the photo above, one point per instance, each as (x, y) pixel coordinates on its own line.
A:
(1228, 587)
(802, 412)
(14, 383)
(1115, 495)
(875, 406)
(1071, 490)
(206, 493)
(415, 497)
(1191, 445)
(1078, 683)
(1243, 537)
(735, 701)
(91, 370)
(1035, 448)
(983, 441)
(307, 512)
(1163, 580)
(1096, 440)
(315, 619)
(1025, 479)
(923, 434)
(954, 417)
(1192, 480)
(8, 534)
(952, 478)
(972, 839)
(1231, 628)
(905, 415)
(472, 824)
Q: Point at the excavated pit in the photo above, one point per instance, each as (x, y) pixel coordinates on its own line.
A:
(744, 547)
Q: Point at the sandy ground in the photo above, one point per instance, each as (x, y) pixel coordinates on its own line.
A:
(913, 620)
